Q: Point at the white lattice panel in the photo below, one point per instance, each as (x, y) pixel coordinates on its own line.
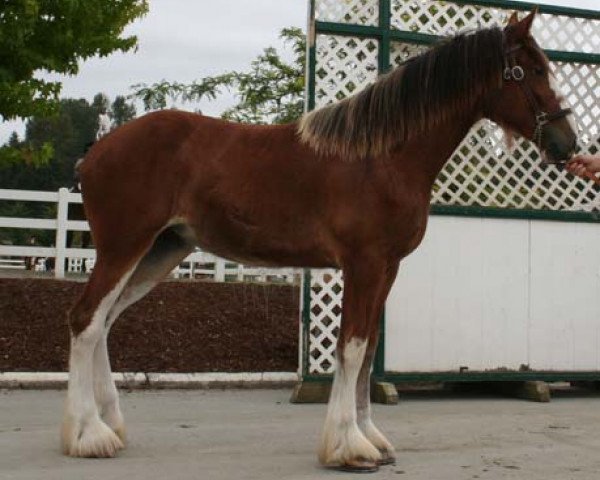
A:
(554, 32)
(581, 87)
(325, 317)
(401, 52)
(568, 34)
(345, 65)
(484, 171)
(442, 18)
(358, 12)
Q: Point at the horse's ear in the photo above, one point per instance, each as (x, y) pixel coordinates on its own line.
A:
(520, 29)
(528, 20)
(514, 19)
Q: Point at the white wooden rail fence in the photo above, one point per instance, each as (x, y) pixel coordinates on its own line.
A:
(198, 264)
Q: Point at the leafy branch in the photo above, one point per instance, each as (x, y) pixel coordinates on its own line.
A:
(271, 91)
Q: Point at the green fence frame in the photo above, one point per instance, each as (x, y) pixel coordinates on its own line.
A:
(385, 34)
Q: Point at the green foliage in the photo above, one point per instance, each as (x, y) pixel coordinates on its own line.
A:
(44, 160)
(18, 154)
(66, 134)
(272, 91)
(155, 96)
(121, 111)
(101, 103)
(55, 35)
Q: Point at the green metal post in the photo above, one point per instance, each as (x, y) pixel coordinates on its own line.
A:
(383, 66)
(384, 40)
(311, 40)
(305, 323)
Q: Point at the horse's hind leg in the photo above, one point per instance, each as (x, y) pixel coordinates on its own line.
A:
(169, 248)
(83, 432)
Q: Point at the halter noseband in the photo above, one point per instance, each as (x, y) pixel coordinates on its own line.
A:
(513, 71)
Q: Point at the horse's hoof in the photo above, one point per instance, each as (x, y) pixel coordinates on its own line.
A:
(386, 458)
(95, 440)
(121, 433)
(358, 466)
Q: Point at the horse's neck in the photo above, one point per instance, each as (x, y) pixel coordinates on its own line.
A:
(429, 152)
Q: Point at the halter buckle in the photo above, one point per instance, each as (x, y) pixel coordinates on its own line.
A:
(517, 73)
(541, 119)
(514, 73)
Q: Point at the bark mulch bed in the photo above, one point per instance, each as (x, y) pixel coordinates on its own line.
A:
(178, 327)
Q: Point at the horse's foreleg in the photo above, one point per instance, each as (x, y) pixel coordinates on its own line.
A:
(363, 409)
(344, 444)
(363, 388)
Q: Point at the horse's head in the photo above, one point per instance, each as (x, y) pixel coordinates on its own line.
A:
(529, 101)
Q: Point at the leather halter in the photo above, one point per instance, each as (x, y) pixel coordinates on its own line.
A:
(513, 71)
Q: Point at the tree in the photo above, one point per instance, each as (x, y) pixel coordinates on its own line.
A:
(13, 140)
(17, 152)
(69, 131)
(272, 91)
(55, 36)
(121, 111)
(101, 103)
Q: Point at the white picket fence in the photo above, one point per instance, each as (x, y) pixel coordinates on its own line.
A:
(197, 265)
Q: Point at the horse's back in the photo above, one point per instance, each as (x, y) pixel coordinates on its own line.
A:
(168, 135)
(171, 165)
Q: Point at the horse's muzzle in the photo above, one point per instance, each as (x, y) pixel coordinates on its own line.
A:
(558, 146)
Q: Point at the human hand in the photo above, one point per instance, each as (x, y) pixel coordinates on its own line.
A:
(584, 166)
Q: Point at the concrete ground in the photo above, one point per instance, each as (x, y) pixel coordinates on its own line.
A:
(258, 434)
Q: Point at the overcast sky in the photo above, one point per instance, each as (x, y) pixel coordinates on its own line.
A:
(184, 40)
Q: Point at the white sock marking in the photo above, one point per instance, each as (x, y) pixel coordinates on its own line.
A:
(342, 439)
(84, 434)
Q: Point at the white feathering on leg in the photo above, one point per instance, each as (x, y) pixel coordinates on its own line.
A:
(342, 439)
(84, 434)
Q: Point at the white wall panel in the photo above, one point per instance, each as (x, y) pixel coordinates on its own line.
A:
(490, 294)
(565, 296)
(462, 298)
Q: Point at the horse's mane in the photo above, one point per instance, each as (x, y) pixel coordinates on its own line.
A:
(423, 92)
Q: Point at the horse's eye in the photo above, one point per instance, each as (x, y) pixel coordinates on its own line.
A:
(539, 70)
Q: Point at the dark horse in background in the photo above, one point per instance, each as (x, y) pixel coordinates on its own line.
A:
(347, 187)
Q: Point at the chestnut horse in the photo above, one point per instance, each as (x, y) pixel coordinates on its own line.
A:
(347, 187)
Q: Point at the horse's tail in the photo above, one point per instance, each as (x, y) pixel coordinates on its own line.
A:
(76, 210)
(76, 175)
(78, 163)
